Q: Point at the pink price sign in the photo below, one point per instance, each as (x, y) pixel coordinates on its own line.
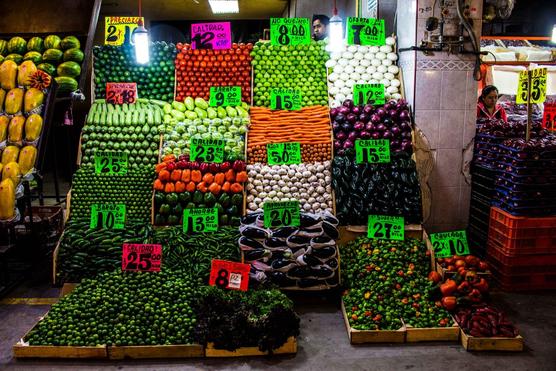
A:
(217, 35)
(141, 257)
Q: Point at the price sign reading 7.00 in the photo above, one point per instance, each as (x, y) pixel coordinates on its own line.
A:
(372, 151)
(281, 214)
(290, 31)
(283, 153)
(383, 227)
(365, 31)
(447, 244)
(288, 99)
(200, 220)
(225, 96)
(110, 163)
(141, 257)
(207, 150)
(368, 94)
(107, 216)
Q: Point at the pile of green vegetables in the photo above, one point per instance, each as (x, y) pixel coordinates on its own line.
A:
(387, 282)
(155, 80)
(376, 189)
(255, 318)
(290, 67)
(122, 308)
(132, 189)
(131, 129)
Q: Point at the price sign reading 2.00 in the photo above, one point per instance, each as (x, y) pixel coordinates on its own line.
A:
(141, 257)
(368, 94)
(110, 163)
(200, 220)
(384, 227)
(107, 216)
(372, 151)
(225, 96)
(290, 31)
(365, 31)
(207, 150)
(447, 244)
(285, 99)
(121, 92)
(216, 35)
(229, 275)
(283, 153)
(281, 214)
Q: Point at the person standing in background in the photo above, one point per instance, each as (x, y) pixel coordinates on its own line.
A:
(320, 27)
(488, 107)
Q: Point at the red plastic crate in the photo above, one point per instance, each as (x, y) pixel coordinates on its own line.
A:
(512, 221)
(527, 282)
(541, 242)
(527, 264)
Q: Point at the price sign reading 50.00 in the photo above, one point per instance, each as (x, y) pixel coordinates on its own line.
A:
(107, 216)
(447, 244)
(283, 153)
(281, 214)
(290, 31)
(383, 227)
(141, 257)
(200, 220)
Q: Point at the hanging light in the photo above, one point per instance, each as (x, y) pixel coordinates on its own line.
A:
(554, 34)
(335, 32)
(224, 6)
(141, 41)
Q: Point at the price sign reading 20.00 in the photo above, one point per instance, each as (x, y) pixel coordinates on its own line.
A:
(290, 31)
(207, 150)
(383, 227)
(447, 244)
(281, 214)
(200, 220)
(121, 92)
(141, 257)
(107, 216)
(225, 96)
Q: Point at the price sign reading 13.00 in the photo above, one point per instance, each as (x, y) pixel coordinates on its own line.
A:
(283, 153)
(290, 31)
(447, 244)
(372, 151)
(383, 227)
(281, 214)
(207, 150)
(225, 96)
(107, 216)
(110, 163)
(200, 220)
(365, 31)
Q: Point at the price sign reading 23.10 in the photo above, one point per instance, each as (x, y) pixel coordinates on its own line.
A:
(384, 227)
(200, 220)
(281, 214)
(141, 257)
(447, 244)
(107, 216)
(207, 150)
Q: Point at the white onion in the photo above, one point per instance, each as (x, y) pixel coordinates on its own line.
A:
(390, 41)
(340, 83)
(382, 69)
(350, 83)
(387, 62)
(334, 104)
(352, 48)
(378, 75)
(385, 82)
(358, 55)
(355, 76)
(374, 49)
(354, 62)
(386, 49)
(392, 56)
(365, 62)
(333, 90)
(373, 81)
(330, 63)
(336, 55)
(345, 90)
(360, 69)
(343, 62)
(389, 76)
(387, 96)
(349, 96)
(376, 62)
(363, 49)
(340, 97)
(349, 70)
(370, 56)
(333, 77)
(338, 69)
(365, 76)
(347, 55)
(395, 82)
(381, 56)
(362, 81)
(392, 89)
(393, 69)
(397, 96)
(344, 76)
(371, 69)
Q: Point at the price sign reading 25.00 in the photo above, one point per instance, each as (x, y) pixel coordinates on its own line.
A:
(368, 94)
(141, 257)
(110, 163)
(290, 31)
(285, 99)
(107, 216)
(121, 92)
(207, 150)
(365, 31)
(372, 151)
(383, 227)
(447, 244)
(225, 96)
(283, 153)
(200, 220)
(281, 214)
(229, 275)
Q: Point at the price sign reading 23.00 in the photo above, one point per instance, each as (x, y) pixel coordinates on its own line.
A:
(281, 214)
(200, 220)
(447, 244)
(207, 150)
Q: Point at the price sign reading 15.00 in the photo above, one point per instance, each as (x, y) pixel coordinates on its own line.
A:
(447, 244)
(285, 99)
(365, 31)
(384, 227)
(281, 214)
(110, 163)
(372, 151)
(368, 94)
(141, 257)
(225, 96)
(283, 153)
(121, 92)
(290, 31)
(107, 216)
(200, 220)
(207, 150)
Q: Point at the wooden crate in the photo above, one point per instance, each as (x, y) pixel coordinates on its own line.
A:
(290, 347)
(471, 343)
(156, 351)
(24, 350)
(414, 334)
(373, 336)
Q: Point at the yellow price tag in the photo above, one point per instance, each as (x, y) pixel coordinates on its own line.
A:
(537, 88)
(119, 29)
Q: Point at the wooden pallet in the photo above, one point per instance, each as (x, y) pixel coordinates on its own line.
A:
(290, 347)
(415, 335)
(373, 336)
(24, 350)
(156, 351)
(471, 343)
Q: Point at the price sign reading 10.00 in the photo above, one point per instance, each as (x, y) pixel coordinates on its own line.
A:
(447, 244)
(200, 220)
(207, 150)
(281, 214)
(290, 31)
(384, 227)
(107, 216)
(225, 96)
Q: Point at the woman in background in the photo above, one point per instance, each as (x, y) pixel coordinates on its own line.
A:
(488, 107)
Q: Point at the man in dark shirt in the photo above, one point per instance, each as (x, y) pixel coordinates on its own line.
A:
(320, 26)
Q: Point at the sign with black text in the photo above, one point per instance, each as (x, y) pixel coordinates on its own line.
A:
(368, 94)
(365, 31)
(110, 163)
(225, 96)
(384, 227)
(372, 151)
(281, 214)
(107, 216)
(207, 150)
(285, 99)
(141, 257)
(229, 275)
(549, 116)
(200, 220)
(290, 31)
(447, 244)
(283, 153)
(121, 92)
(117, 30)
(215, 35)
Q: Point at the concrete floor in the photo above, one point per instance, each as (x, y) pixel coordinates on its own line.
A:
(323, 344)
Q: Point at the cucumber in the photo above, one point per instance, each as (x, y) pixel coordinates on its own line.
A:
(157, 117)
(122, 118)
(150, 117)
(141, 117)
(118, 108)
(90, 118)
(110, 107)
(142, 100)
(109, 117)
(159, 103)
(100, 101)
(96, 119)
(135, 118)
(128, 116)
(125, 107)
(103, 118)
(116, 118)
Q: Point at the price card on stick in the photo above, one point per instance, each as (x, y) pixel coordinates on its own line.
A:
(283, 153)
(384, 227)
(225, 96)
(368, 94)
(281, 214)
(200, 220)
(365, 31)
(549, 116)
(107, 216)
(447, 244)
(207, 150)
(285, 99)
(216, 35)
(290, 31)
(110, 163)
(119, 29)
(229, 275)
(121, 92)
(372, 151)
(141, 257)
(536, 87)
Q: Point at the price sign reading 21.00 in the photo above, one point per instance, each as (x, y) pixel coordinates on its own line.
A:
(281, 214)
(107, 216)
(447, 244)
(207, 150)
(200, 220)
(141, 257)
(372, 151)
(290, 31)
(383, 227)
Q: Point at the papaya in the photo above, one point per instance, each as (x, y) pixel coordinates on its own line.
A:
(33, 99)
(7, 199)
(27, 158)
(11, 171)
(15, 129)
(10, 154)
(4, 122)
(33, 127)
(8, 74)
(2, 97)
(14, 101)
(26, 69)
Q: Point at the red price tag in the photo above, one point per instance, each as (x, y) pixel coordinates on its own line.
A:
(141, 257)
(549, 116)
(121, 92)
(229, 275)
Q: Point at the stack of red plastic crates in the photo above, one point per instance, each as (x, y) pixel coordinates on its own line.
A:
(522, 251)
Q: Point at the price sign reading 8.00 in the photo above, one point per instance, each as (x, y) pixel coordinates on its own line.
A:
(368, 94)
(283, 153)
(207, 150)
(372, 151)
(110, 163)
(225, 96)
(290, 31)
(141, 257)
(107, 216)
(447, 244)
(385, 227)
(229, 275)
(121, 92)
(285, 99)
(200, 220)
(281, 214)
(365, 31)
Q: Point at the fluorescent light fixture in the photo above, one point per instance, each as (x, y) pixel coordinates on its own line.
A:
(335, 34)
(141, 43)
(554, 34)
(224, 6)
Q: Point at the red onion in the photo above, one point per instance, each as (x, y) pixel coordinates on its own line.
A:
(340, 118)
(346, 126)
(357, 110)
(353, 135)
(359, 126)
(348, 144)
(406, 135)
(381, 112)
(405, 126)
(380, 127)
(393, 114)
(365, 135)
(343, 110)
(337, 144)
(391, 105)
(404, 116)
(341, 135)
(395, 144)
(370, 127)
(351, 118)
(336, 126)
(387, 134)
(334, 112)
(348, 103)
(364, 117)
(376, 119)
(395, 130)
(368, 109)
(376, 135)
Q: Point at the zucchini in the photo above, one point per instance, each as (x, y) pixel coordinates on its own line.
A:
(103, 118)
(128, 118)
(122, 118)
(90, 118)
(125, 107)
(96, 119)
(110, 107)
(157, 117)
(150, 117)
(142, 117)
(115, 119)
(157, 102)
